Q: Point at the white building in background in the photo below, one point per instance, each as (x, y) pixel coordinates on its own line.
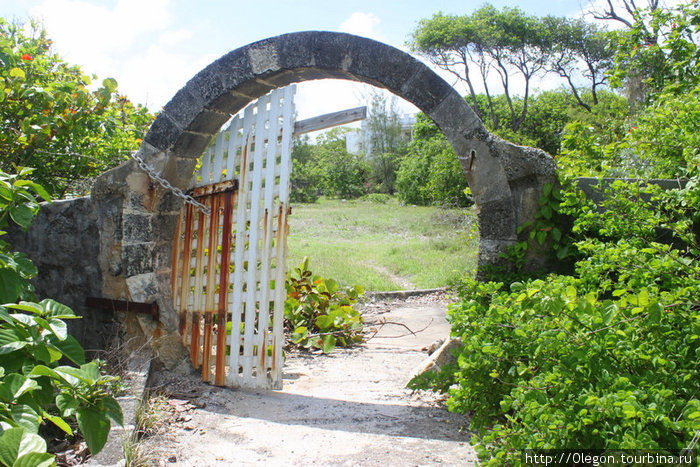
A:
(357, 141)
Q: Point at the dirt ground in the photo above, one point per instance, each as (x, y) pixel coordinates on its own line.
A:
(344, 409)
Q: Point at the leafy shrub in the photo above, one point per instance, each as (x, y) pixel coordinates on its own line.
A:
(18, 205)
(49, 107)
(35, 388)
(318, 313)
(604, 358)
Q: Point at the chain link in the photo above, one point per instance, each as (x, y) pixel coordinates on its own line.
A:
(166, 184)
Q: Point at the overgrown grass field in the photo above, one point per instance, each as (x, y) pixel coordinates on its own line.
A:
(383, 245)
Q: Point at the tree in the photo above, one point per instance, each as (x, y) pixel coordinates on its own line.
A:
(503, 42)
(52, 121)
(306, 175)
(580, 50)
(343, 174)
(387, 145)
(431, 173)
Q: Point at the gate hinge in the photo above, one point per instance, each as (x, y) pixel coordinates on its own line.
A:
(124, 305)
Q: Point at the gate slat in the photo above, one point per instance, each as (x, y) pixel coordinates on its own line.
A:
(223, 291)
(252, 309)
(217, 176)
(213, 204)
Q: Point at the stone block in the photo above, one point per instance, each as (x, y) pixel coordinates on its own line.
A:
(163, 133)
(264, 56)
(190, 144)
(521, 161)
(229, 102)
(138, 228)
(137, 258)
(209, 122)
(142, 288)
(497, 220)
(396, 67)
(254, 88)
(425, 89)
(170, 203)
(184, 106)
(455, 119)
(164, 227)
(297, 50)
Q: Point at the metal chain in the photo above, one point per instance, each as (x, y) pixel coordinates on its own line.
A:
(166, 184)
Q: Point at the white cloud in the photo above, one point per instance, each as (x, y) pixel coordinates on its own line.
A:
(153, 77)
(362, 24)
(130, 40)
(171, 38)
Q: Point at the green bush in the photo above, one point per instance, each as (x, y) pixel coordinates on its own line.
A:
(55, 119)
(34, 388)
(318, 313)
(605, 358)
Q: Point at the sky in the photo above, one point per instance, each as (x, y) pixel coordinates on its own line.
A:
(153, 47)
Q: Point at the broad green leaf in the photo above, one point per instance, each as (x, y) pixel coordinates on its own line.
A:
(17, 442)
(331, 285)
(41, 370)
(94, 426)
(22, 215)
(110, 84)
(17, 73)
(329, 342)
(299, 334)
(655, 310)
(26, 417)
(609, 312)
(541, 236)
(556, 234)
(59, 422)
(73, 375)
(643, 298)
(58, 328)
(34, 308)
(14, 385)
(113, 410)
(39, 190)
(42, 353)
(71, 349)
(11, 285)
(12, 346)
(36, 459)
(57, 310)
(91, 371)
(324, 322)
(67, 404)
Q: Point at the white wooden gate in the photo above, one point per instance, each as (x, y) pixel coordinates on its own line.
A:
(229, 268)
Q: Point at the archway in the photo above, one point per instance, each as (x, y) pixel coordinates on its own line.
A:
(135, 253)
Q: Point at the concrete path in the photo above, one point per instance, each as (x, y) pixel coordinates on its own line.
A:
(344, 409)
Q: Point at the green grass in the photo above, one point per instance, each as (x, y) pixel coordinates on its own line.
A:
(383, 246)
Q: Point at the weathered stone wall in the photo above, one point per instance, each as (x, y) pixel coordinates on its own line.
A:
(63, 243)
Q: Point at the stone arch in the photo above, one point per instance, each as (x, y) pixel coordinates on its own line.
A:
(136, 237)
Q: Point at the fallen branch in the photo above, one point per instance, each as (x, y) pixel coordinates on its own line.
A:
(384, 322)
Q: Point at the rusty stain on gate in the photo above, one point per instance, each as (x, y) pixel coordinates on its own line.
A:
(229, 268)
